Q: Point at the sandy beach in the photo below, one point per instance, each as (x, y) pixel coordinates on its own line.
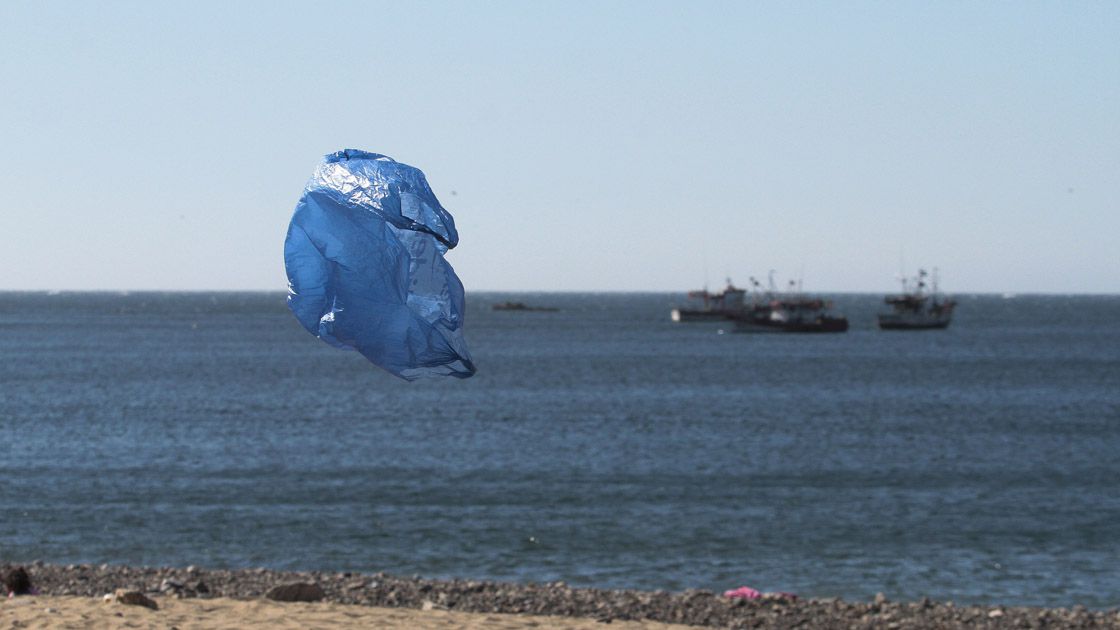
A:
(223, 613)
(72, 596)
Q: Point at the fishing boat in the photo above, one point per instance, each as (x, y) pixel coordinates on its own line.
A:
(793, 315)
(708, 306)
(789, 312)
(920, 308)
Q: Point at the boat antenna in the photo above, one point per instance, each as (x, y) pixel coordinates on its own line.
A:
(770, 279)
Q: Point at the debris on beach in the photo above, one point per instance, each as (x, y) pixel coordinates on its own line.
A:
(364, 259)
(743, 592)
(746, 592)
(131, 598)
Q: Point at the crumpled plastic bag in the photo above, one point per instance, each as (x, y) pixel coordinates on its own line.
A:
(743, 592)
(364, 258)
(746, 592)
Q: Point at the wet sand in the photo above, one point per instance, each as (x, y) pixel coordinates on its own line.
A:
(224, 613)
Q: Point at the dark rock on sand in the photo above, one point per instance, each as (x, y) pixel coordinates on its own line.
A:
(134, 598)
(297, 592)
(17, 582)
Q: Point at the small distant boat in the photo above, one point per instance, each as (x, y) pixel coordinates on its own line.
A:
(710, 307)
(521, 306)
(918, 309)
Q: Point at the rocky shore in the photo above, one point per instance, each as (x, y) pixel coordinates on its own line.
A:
(695, 607)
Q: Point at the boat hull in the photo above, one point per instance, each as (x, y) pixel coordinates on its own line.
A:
(696, 315)
(895, 322)
(767, 325)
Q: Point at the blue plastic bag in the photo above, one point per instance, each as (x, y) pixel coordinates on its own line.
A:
(364, 257)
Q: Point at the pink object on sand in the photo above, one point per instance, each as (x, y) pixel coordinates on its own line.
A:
(743, 592)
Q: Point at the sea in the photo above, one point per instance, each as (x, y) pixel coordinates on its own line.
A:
(600, 444)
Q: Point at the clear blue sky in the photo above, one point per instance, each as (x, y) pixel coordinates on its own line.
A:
(589, 145)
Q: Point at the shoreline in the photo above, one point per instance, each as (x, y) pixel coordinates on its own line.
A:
(222, 613)
(557, 599)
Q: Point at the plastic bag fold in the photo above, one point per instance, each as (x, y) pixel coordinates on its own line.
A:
(364, 255)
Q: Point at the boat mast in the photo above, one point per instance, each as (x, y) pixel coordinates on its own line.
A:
(902, 269)
(756, 290)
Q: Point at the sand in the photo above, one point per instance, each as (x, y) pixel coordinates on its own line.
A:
(224, 613)
(225, 598)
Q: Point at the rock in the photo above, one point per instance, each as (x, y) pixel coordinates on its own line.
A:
(296, 592)
(134, 598)
(880, 598)
(201, 588)
(995, 614)
(170, 585)
(17, 582)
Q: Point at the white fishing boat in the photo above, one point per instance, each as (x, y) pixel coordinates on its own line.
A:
(708, 306)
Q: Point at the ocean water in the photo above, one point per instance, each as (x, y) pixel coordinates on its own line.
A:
(602, 445)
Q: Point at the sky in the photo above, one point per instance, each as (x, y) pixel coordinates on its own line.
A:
(580, 146)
